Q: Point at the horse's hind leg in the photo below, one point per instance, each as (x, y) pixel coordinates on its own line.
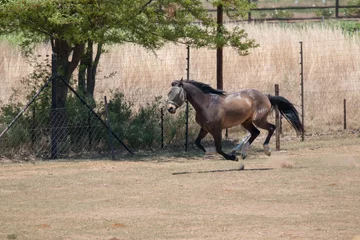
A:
(241, 144)
(201, 135)
(254, 132)
(270, 128)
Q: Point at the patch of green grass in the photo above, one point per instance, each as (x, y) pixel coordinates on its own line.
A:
(11, 236)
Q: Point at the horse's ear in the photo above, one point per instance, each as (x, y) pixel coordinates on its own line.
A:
(181, 82)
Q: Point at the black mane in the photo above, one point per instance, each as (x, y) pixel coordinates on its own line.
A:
(206, 88)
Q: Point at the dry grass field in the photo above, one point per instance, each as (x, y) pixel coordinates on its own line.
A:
(309, 190)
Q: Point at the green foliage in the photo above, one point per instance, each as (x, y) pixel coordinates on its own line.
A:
(120, 112)
(12, 236)
(140, 129)
(352, 12)
(150, 24)
(350, 27)
(144, 129)
(326, 13)
(276, 14)
(234, 8)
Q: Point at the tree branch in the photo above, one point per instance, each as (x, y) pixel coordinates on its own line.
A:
(77, 54)
(143, 7)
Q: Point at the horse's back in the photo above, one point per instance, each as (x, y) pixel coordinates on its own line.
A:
(252, 97)
(249, 104)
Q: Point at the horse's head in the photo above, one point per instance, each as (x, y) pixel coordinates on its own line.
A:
(176, 96)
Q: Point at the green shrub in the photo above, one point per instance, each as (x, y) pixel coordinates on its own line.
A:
(276, 14)
(326, 13)
(352, 12)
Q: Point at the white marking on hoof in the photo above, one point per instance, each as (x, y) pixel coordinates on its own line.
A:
(267, 149)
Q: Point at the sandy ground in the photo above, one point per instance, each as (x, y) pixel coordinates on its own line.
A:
(309, 191)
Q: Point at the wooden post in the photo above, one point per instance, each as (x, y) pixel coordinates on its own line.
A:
(219, 50)
(344, 114)
(277, 120)
(249, 13)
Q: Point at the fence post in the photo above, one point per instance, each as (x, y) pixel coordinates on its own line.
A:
(109, 127)
(33, 126)
(187, 103)
(277, 120)
(336, 8)
(54, 149)
(162, 126)
(219, 49)
(249, 13)
(344, 114)
(302, 88)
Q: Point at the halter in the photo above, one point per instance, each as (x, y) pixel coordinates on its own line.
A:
(177, 96)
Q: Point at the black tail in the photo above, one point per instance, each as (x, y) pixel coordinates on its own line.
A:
(288, 110)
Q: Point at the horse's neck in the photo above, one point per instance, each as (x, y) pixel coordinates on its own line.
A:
(196, 97)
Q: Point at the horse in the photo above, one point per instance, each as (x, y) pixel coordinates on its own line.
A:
(217, 110)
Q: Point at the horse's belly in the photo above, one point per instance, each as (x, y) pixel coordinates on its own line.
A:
(232, 120)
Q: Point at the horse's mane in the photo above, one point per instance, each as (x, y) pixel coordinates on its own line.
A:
(206, 88)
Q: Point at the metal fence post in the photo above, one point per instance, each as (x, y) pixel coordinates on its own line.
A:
(302, 88)
(162, 126)
(277, 120)
(33, 126)
(187, 103)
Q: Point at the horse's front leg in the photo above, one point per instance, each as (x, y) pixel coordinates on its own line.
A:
(201, 135)
(217, 139)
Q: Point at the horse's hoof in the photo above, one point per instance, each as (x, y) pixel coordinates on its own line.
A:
(241, 167)
(267, 150)
(243, 155)
(233, 158)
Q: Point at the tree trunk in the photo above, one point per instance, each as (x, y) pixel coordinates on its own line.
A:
(92, 76)
(89, 72)
(65, 68)
(88, 68)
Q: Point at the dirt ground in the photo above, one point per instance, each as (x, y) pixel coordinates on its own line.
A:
(309, 190)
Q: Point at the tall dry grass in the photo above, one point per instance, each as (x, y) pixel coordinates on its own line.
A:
(331, 70)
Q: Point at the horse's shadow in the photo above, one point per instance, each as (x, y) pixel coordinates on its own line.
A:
(224, 170)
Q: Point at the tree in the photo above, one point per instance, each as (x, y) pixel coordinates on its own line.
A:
(73, 26)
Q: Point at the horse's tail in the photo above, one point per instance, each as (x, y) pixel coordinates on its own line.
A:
(288, 110)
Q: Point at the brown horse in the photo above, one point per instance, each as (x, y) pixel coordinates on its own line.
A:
(216, 110)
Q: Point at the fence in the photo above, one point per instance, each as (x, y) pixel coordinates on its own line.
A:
(301, 10)
(329, 69)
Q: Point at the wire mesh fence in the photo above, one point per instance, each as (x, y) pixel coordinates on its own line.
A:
(59, 133)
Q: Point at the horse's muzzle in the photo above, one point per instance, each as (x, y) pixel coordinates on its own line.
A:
(171, 108)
